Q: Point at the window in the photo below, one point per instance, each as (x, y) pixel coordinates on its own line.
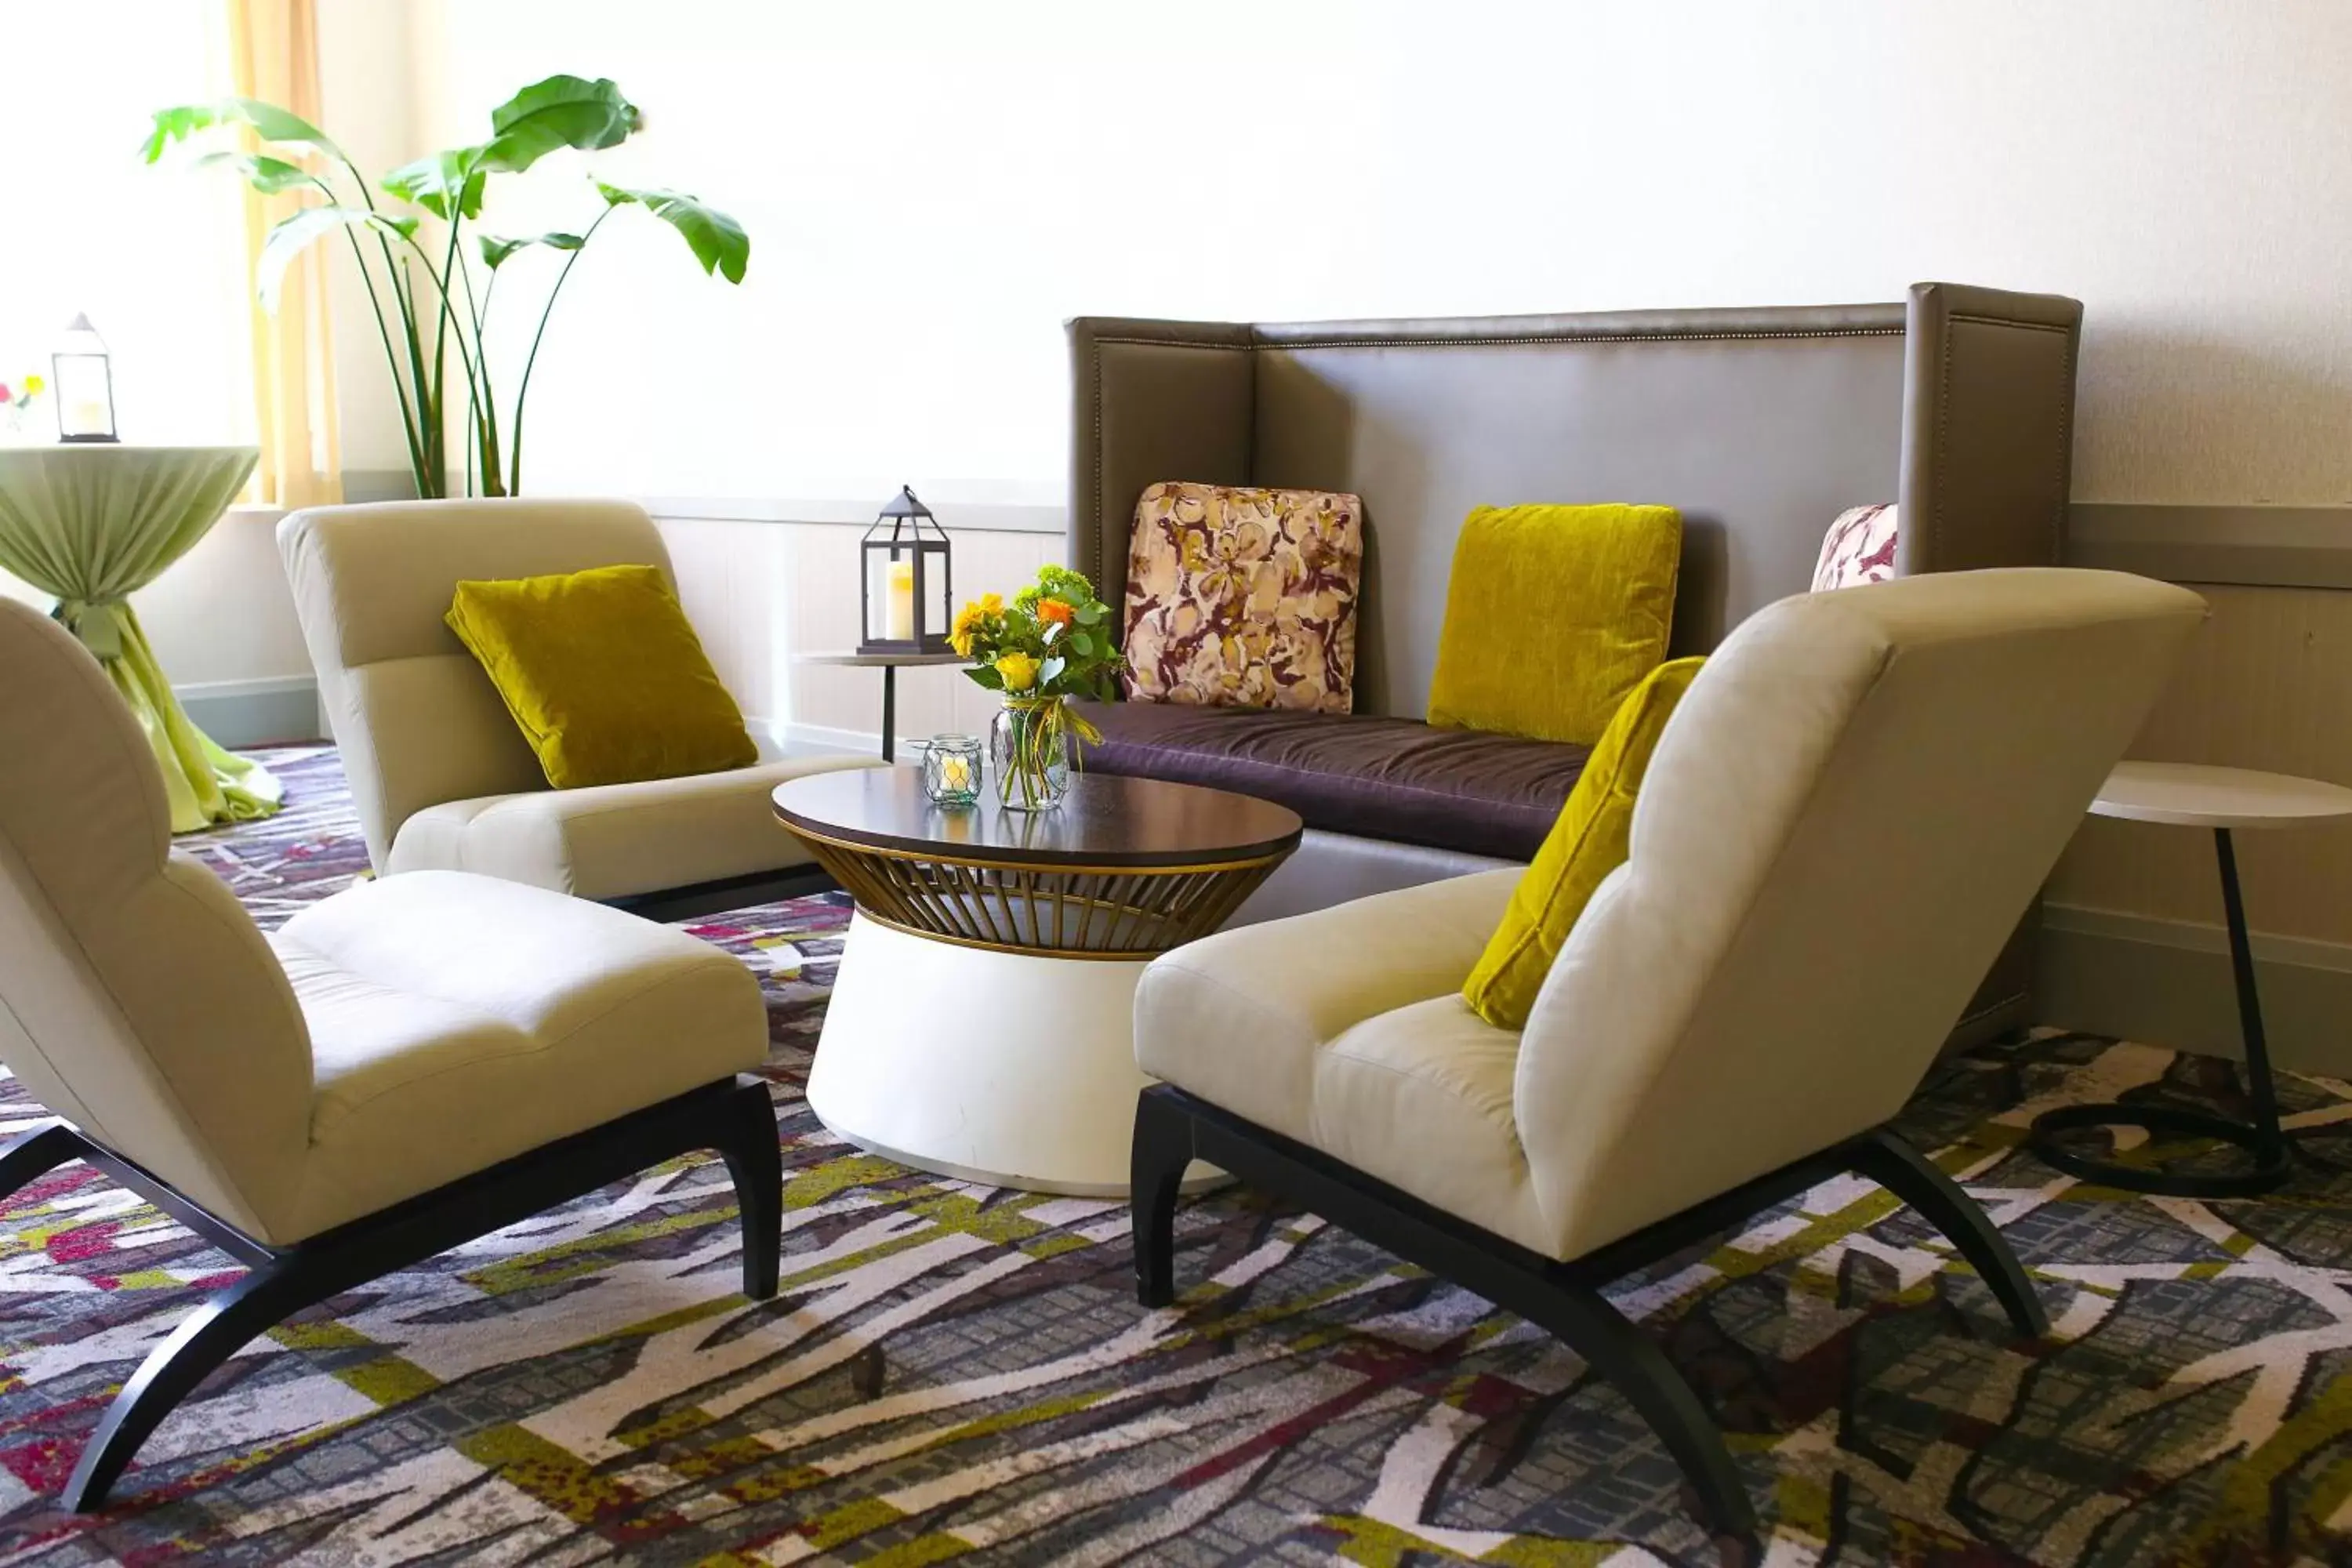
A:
(154, 256)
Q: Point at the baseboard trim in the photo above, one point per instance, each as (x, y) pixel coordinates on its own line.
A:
(282, 707)
(2168, 983)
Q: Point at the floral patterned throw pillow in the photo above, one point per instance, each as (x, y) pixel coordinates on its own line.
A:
(1859, 548)
(1239, 598)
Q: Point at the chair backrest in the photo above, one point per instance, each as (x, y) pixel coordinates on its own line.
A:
(1839, 829)
(137, 998)
(418, 721)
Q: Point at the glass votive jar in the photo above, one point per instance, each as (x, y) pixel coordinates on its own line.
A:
(952, 769)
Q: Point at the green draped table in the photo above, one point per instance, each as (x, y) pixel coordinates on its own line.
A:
(94, 524)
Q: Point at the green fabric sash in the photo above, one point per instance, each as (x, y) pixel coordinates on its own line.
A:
(94, 524)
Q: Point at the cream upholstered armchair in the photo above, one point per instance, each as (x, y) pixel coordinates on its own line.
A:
(1836, 832)
(400, 1068)
(440, 776)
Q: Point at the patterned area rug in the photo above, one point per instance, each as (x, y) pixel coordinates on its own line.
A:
(588, 1387)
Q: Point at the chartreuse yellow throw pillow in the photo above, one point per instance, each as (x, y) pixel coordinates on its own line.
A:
(1588, 842)
(603, 673)
(1552, 615)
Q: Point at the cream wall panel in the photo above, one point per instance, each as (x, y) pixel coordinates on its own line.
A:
(2179, 165)
(2267, 685)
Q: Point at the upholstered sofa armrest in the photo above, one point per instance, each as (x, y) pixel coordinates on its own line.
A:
(1287, 986)
(1151, 401)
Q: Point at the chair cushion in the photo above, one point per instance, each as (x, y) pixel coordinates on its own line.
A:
(1357, 773)
(614, 840)
(1553, 614)
(603, 672)
(1345, 1030)
(1244, 597)
(1590, 841)
(456, 1021)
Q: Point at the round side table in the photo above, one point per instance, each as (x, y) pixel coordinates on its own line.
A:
(2187, 795)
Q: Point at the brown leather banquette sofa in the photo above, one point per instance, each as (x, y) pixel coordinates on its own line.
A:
(1760, 425)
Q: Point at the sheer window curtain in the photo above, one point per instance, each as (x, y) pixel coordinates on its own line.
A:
(274, 56)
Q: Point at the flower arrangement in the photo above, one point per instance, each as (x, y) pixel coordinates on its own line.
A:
(1048, 645)
(16, 396)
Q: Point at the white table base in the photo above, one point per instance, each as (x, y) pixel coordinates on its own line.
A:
(1010, 1069)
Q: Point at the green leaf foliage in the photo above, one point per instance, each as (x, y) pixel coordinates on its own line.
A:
(296, 234)
(1081, 644)
(986, 675)
(496, 248)
(441, 182)
(717, 241)
(1090, 614)
(560, 112)
(269, 123)
(265, 174)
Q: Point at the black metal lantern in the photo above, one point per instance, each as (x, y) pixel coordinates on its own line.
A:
(83, 385)
(903, 586)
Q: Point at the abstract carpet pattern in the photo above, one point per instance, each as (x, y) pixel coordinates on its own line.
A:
(588, 1387)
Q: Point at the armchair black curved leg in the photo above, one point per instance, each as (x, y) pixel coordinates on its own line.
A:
(204, 1339)
(31, 1155)
(1632, 1363)
(1157, 1160)
(1895, 1163)
(755, 1162)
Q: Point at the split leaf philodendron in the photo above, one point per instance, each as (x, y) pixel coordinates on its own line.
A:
(427, 309)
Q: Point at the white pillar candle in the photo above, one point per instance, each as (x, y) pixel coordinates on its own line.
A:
(899, 619)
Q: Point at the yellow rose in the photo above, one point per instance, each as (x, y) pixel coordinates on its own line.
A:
(35, 386)
(1019, 669)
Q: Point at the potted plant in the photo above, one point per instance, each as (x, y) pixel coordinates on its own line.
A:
(1045, 648)
(429, 307)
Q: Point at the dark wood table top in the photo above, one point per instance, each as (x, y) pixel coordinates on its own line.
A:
(1106, 820)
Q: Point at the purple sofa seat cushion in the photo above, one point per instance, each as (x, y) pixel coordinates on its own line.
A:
(1349, 773)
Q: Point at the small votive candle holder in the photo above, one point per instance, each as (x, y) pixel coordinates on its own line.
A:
(952, 769)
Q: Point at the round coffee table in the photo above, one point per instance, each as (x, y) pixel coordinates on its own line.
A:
(980, 1024)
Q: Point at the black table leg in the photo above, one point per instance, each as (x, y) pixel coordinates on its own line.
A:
(2266, 1145)
(889, 713)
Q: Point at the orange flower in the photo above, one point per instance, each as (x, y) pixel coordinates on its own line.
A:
(1057, 611)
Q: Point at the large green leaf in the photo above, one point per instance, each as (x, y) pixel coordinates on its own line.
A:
(496, 248)
(561, 111)
(269, 123)
(295, 234)
(717, 241)
(441, 182)
(265, 174)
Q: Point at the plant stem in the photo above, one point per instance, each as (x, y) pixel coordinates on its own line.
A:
(514, 457)
(382, 332)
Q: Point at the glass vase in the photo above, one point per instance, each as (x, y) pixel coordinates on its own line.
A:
(1029, 746)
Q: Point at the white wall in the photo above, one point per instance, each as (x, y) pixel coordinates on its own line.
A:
(931, 187)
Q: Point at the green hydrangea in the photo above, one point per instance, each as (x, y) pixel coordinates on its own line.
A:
(1054, 582)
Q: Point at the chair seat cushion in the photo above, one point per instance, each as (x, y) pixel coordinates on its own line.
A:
(614, 840)
(456, 1021)
(1357, 773)
(1345, 1029)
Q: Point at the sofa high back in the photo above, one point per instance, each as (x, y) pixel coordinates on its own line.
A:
(137, 998)
(416, 720)
(1760, 425)
(1835, 833)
